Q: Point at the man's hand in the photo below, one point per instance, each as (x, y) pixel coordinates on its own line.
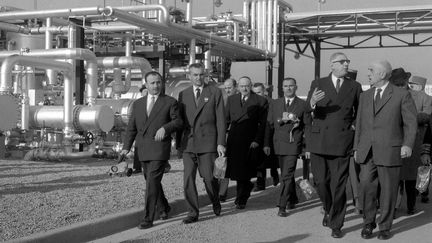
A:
(266, 150)
(355, 156)
(160, 134)
(317, 95)
(254, 145)
(221, 150)
(406, 152)
(307, 155)
(425, 159)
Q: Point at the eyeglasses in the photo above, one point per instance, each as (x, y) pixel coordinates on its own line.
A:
(342, 61)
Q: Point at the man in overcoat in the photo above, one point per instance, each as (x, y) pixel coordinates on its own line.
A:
(246, 119)
(202, 139)
(154, 118)
(386, 129)
(333, 101)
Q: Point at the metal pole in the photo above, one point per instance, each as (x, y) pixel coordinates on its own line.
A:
(281, 69)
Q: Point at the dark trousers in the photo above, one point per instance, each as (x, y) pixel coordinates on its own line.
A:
(244, 188)
(204, 163)
(136, 161)
(223, 187)
(387, 178)
(154, 196)
(287, 164)
(262, 175)
(354, 170)
(331, 174)
(411, 193)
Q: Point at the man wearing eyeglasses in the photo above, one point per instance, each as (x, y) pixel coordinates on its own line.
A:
(333, 101)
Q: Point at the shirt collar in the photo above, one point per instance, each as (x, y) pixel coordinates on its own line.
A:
(196, 87)
(382, 88)
(149, 96)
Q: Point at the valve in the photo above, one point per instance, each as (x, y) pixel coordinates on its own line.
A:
(89, 138)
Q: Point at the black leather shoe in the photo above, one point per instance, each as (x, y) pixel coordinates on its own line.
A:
(282, 212)
(217, 209)
(145, 225)
(367, 231)
(384, 235)
(325, 220)
(190, 220)
(336, 233)
(164, 214)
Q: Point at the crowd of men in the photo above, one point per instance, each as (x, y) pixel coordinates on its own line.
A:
(338, 127)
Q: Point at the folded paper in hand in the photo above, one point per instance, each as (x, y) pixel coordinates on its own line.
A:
(220, 167)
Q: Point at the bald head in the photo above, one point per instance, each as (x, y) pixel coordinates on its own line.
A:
(379, 72)
(230, 86)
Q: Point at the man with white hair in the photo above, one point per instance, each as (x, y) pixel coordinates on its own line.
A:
(386, 127)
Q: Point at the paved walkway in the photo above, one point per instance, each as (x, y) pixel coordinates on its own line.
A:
(259, 223)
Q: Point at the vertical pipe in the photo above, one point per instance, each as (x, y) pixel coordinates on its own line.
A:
(275, 25)
(192, 51)
(68, 105)
(72, 32)
(25, 102)
(51, 74)
(236, 31)
(317, 59)
(281, 60)
(128, 73)
(259, 25)
(253, 23)
(263, 24)
(269, 25)
(207, 60)
(189, 13)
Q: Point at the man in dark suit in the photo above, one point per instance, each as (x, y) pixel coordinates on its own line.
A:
(202, 138)
(386, 128)
(333, 100)
(268, 161)
(246, 119)
(287, 118)
(154, 117)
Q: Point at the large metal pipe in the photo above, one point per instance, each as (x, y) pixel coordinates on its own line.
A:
(14, 28)
(125, 62)
(6, 78)
(56, 154)
(53, 13)
(75, 53)
(51, 75)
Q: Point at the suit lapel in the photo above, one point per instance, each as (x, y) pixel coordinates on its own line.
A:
(244, 108)
(293, 106)
(385, 98)
(344, 91)
(330, 89)
(157, 106)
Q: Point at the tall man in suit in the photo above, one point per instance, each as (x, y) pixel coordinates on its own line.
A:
(154, 117)
(202, 138)
(333, 100)
(287, 118)
(246, 118)
(386, 128)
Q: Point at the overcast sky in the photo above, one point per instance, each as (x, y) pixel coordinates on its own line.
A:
(416, 59)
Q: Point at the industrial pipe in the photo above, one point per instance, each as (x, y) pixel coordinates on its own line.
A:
(55, 154)
(6, 77)
(53, 13)
(51, 75)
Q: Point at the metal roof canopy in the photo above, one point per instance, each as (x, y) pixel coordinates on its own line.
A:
(361, 28)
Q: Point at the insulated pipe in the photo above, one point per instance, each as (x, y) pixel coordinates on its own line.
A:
(128, 73)
(253, 23)
(125, 62)
(6, 77)
(55, 154)
(14, 28)
(51, 75)
(189, 13)
(53, 13)
(164, 17)
(182, 31)
(269, 24)
(76, 53)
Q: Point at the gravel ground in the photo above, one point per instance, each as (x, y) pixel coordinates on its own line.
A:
(39, 196)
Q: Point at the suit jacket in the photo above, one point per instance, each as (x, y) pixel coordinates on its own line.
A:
(280, 133)
(204, 124)
(331, 132)
(386, 128)
(246, 125)
(143, 128)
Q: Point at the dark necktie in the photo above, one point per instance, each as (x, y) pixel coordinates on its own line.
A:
(198, 94)
(287, 104)
(338, 85)
(243, 101)
(377, 97)
(152, 102)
